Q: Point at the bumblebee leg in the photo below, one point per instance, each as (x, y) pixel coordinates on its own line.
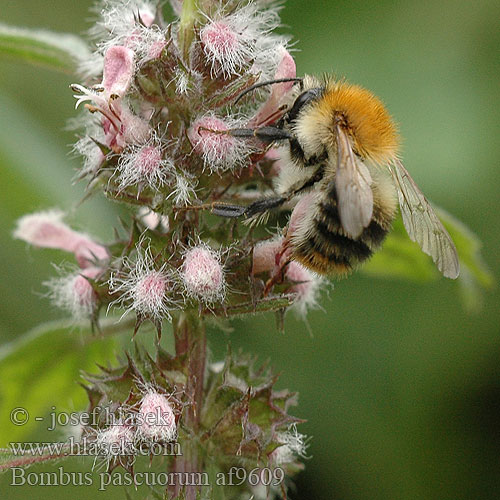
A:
(257, 207)
(261, 205)
(227, 210)
(264, 204)
(267, 203)
(265, 134)
(217, 208)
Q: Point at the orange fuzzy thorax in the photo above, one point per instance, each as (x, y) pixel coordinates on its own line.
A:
(369, 124)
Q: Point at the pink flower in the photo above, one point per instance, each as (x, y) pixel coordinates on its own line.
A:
(118, 70)
(146, 15)
(300, 214)
(224, 47)
(155, 49)
(265, 255)
(47, 230)
(149, 292)
(153, 220)
(270, 110)
(119, 124)
(306, 287)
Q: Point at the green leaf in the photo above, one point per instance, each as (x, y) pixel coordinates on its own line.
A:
(40, 372)
(474, 274)
(189, 15)
(59, 51)
(402, 258)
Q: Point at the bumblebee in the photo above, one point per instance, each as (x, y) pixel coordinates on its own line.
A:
(341, 163)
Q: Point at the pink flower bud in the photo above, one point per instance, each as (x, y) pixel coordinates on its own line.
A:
(272, 256)
(293, 446)
(117, 440)
(153, 220)
(219, 151)
(232, 41)
(74, 293)
(155, 49)
(306, 285)
(226, 49)
(156, 418)
(46, 230)
(149, 293)
(265, 255)
(148, 159)
(300, 213)
(203, 275)
(119, 124)
(144, 164)
(143, 288)
(87, 251)
(82, 291)
(147, 16)
(286, 69)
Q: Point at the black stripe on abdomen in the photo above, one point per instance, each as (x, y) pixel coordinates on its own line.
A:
(310, 251)
(341, 246)
(372, 236)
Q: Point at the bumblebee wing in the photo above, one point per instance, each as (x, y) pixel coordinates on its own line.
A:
(352, 185)
(422, 223)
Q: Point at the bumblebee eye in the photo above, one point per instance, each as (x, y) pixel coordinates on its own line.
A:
(303, 99)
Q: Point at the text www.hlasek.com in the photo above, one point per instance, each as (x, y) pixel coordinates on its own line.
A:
(234, 477)
(85, 447)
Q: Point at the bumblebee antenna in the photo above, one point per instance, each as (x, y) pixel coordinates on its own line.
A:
(262, 84)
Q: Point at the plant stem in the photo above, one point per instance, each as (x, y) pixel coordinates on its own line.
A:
(190, 340)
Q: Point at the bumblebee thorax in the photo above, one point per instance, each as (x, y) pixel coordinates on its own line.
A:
(361, 114)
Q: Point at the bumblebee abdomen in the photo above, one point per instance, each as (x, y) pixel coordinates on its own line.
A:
(327, 251)
(322, 246)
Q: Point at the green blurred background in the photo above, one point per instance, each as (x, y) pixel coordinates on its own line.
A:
(400, 386)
